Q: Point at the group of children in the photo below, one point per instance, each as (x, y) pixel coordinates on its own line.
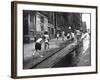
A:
(77, 36)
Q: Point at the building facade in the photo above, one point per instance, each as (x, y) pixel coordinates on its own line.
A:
(66, 20)
(84, 27)
(35, 23)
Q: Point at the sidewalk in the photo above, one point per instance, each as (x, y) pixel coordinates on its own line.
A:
(29, 60)
(29, 48)
(58, 49)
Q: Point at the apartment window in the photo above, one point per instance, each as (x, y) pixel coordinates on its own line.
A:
(42, 28)
(42, 19)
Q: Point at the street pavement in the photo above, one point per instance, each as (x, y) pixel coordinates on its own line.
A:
(57, 57)
(64, 58)
(30, 59)
(55, 47)
(29, 48)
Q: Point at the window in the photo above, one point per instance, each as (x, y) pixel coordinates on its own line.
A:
(42, 19)
(42, 28)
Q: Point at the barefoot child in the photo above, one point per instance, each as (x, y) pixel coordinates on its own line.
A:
(38, 46)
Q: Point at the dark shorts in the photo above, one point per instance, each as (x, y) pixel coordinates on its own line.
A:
(72, 39)
(68, 37)
(37, 46)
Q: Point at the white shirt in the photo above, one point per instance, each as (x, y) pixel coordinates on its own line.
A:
(39, 40)
(72, 35)
(46, 38)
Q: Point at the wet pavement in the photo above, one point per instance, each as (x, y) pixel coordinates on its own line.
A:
(56, 55)
(74, 61)
(29, 48)
(82, 57)
(32, 60)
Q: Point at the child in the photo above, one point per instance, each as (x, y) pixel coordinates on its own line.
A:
(46, 41)
(63, 35)
(38, 45)
(57, 36)
(68, 36)
(72, 36)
